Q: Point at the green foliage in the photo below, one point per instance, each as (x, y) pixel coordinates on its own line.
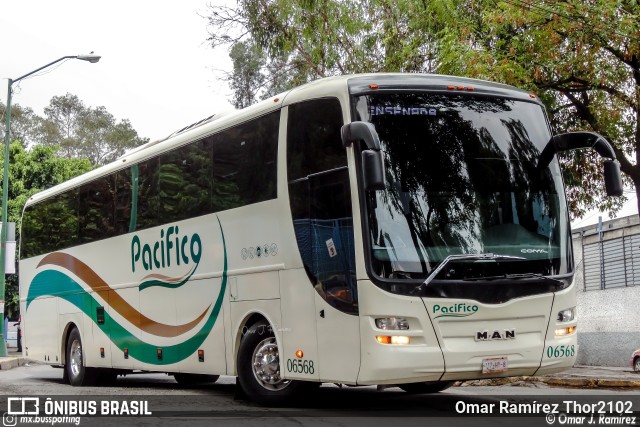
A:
(70, 140)
(581, 58)
(301, 40)
(84, 132)
(30, 172)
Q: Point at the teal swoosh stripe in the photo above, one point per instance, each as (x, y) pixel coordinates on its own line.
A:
(62, 286)
(163, 284)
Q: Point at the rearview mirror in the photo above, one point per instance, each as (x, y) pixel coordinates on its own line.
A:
(578, 140)
(372, 170)
(372, 164)
(612, 178)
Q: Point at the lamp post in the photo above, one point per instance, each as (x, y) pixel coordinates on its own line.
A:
(5, 180)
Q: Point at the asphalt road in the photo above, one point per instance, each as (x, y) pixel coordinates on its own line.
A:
(217, 404)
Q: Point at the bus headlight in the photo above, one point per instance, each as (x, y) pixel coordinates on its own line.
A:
(392, 323)
(567, 315)
(394, 339)
(561, 332)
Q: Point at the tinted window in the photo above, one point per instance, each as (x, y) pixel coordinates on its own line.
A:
(321, 201)
(50, 225)
(233, 168)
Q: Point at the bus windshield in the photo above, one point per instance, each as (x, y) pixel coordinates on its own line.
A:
(462, 178)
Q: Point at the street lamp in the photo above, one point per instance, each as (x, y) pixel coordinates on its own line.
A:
(5, 180)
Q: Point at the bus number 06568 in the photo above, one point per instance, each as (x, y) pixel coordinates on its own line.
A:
(299, 366)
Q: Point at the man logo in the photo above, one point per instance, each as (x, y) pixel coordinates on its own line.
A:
(507, 334)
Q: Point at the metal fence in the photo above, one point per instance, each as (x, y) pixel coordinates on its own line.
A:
(612, 263)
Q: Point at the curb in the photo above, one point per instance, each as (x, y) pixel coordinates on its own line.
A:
(555, 381)
(7, 363)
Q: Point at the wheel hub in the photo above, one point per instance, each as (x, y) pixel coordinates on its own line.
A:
(76, 358)
(266, 365)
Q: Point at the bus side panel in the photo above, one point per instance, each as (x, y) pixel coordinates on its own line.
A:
(192, 298)
(97, 339)
(40, 330)
(338, 343)
(298, 324)
(127, 339)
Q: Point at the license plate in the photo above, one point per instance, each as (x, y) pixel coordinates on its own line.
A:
(495, 364)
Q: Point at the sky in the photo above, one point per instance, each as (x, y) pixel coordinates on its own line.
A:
(157, 69)
(630, 207)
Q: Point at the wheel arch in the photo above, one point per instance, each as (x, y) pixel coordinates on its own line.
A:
(247, 322)
(65, 339)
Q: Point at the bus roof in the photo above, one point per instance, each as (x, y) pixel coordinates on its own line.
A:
(325, 87)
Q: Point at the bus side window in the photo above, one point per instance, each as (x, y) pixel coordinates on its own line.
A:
(320, 200)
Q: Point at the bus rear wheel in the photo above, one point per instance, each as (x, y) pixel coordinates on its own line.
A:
(76, 372)
(425, 387)
(259, 367)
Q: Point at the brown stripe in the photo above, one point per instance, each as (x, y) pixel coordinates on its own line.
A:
(116, 302)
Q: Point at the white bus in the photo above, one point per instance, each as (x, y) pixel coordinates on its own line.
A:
(388, 229)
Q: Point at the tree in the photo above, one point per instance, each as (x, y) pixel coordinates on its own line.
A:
(84, 132)
(582, 58)
(246, 80)
(25, 124)
(30, 172)
(302, 40)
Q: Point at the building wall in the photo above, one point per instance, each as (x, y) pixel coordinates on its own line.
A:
(608, 317)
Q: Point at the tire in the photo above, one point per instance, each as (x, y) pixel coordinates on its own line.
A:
(259, 367)
(425, 387)
(636, 364)
(194, 379)
(77, 373)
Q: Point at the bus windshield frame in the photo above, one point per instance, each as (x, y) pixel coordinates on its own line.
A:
(474, 189)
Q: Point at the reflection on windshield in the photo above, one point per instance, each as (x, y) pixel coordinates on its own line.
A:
(462, 179)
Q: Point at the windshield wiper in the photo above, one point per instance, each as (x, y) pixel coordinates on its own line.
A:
(462, 257)
(519, 276)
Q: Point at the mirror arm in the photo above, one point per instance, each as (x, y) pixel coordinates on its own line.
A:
(575, 141)
(357, 131)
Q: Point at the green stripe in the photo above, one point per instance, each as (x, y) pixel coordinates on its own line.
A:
(165, 284)
(55, 283)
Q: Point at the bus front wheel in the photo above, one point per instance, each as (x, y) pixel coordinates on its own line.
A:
(76, 372)
(259, 367)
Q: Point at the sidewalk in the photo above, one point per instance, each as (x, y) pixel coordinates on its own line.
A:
(13, 360)
(578, 376)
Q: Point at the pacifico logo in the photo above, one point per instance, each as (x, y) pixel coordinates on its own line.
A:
(455, 310)
(170, 248)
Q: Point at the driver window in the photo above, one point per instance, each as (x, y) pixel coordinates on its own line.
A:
(320, 200)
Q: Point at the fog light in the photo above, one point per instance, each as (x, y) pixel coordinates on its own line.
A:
(392, 323)
(393, 339)
(567, 315)
(565, 331)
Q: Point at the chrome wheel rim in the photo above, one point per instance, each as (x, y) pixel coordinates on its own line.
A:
(75, 357)
(266, 365)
